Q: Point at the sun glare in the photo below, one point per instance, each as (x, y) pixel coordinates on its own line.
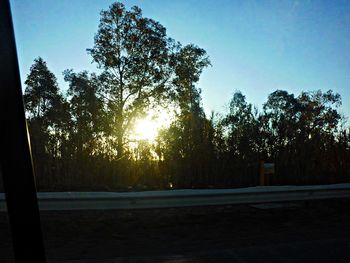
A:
(147, 128)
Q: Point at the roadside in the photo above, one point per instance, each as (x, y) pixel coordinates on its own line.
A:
(201, 232)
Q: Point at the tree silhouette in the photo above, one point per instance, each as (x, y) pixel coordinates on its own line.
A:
(186, 141)
(82, 141)
(48, 117)
(41, 91)
(133, 51)
(242, 131)
(87, 112)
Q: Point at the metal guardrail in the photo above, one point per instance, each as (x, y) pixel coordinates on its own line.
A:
(61, 201)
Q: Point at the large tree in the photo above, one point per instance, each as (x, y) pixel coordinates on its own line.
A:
(302, 130)
(48, 116)
(87, 112)
(41, 93)
(133, 52)
(187, 143)
(242, 128)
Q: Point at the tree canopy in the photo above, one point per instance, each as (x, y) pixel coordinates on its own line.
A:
(134, 53)
(81, 138)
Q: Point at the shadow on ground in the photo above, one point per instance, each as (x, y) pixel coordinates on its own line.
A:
(317, 231)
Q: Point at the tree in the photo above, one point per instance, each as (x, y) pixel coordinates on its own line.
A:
(280, 120)
(188, 140)
(133, 52)
(302, 130)
(318, 112)
(188, 63)
(41, 91)
(242, 140)
(241, 127)
(48, 117)
(87, 112)
(311, 113)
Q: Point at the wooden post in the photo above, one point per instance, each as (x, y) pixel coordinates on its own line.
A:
(265, 172)
(262, 173)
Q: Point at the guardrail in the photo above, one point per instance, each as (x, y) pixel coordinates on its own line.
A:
(61, 201)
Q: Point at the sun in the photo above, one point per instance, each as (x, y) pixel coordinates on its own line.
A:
(147, 128)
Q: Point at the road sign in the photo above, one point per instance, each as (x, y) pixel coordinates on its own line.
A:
(269, 168)
(265, 172)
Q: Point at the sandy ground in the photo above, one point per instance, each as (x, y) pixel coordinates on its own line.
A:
(158, 234)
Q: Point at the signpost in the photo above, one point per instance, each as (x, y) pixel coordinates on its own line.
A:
(266, 171)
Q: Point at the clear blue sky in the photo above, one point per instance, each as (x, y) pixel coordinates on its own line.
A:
(255, 46)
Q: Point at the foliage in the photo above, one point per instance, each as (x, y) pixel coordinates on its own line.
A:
(134, 53)
(81, 141)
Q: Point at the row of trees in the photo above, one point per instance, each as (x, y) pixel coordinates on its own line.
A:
(81, 140)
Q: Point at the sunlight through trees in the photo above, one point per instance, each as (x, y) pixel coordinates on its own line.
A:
(138, 122)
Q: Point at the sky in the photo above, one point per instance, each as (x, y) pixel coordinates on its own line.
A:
(255, 46)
